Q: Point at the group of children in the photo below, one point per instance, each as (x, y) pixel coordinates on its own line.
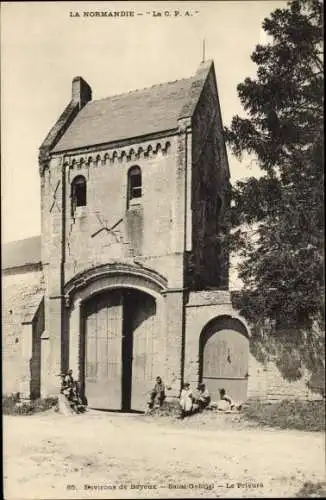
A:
(70, 389)
(190, 401)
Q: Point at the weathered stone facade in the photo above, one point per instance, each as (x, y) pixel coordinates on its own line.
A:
(165, 243)
(135, 272)
(23, 324)
(207, 254)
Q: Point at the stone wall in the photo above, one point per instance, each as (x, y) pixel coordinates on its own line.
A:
(281, 369)
(266, 382)
(289, 364)
(20, 295)
(145, 233)
(147, 230)
(37, 325)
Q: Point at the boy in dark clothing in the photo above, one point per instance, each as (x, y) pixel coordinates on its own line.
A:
(157, 394)
(70, 388)
(203, 396)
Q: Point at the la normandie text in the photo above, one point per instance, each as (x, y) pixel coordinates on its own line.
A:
(129, 13)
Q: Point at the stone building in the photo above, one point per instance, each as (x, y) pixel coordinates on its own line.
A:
(132, 280)
(22, 316)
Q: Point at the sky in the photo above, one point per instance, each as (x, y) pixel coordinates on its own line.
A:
(44, 45)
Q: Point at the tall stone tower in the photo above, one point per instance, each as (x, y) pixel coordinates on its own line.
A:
(134, 192)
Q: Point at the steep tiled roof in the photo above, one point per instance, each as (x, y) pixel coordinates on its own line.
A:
(21, 252)
(32, 304)
(129, 115)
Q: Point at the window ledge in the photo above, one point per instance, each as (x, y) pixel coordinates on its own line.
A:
(80, 212)
(135, 202)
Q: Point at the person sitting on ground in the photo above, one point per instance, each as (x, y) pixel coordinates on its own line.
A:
(226, 403)
(63, 384)
(77, 402)
(157, 394)
(69, 379)
(226, 397)
(70, 389)
(65, 387)
(203, 398)
(186, 400)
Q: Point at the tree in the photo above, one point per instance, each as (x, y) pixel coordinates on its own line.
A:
(278, 219)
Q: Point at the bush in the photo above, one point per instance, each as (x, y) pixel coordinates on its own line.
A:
(312, 490)
(287, 414)
(12, 405)
(168, 409)
(9, 403)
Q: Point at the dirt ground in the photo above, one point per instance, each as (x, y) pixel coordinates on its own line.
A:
(107, 455)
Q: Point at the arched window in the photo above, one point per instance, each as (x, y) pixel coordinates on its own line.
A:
(78, 193)
(134, 183)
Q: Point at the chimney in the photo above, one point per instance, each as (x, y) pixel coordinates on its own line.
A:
(81, 91)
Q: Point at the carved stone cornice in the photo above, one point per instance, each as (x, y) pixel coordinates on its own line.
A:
(126, 154)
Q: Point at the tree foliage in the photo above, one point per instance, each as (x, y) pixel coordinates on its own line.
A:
(278, 218)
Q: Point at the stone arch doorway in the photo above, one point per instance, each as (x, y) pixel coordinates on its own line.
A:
(118, 348)
(223, 357)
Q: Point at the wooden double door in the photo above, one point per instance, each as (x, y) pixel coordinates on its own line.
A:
(118, 349)
(224, 353)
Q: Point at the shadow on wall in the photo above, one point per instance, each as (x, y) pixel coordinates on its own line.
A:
(293, 351)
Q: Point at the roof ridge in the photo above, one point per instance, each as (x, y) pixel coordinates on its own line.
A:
(141, 89)
(21, 239)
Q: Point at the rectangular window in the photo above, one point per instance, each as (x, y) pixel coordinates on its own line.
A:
(135, 186)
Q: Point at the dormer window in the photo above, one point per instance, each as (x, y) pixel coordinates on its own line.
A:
(134, 184)
(78, 193)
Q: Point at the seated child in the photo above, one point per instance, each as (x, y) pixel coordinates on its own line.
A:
(203, 397)
(226, 403)
(186, 400)
(157, 394)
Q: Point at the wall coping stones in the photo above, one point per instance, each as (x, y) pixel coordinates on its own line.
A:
(209, 298)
